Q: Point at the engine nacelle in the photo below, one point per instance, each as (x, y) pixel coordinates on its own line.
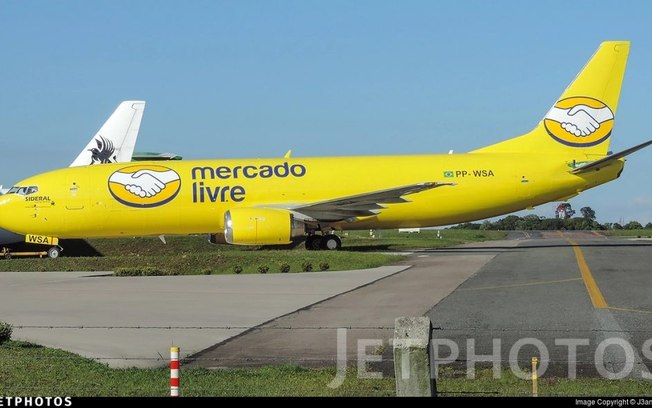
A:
(261, 226)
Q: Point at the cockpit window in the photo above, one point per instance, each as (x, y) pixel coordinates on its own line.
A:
(24, 191)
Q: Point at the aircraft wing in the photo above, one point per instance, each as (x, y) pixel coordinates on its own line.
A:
(598, 164)
(362, 205)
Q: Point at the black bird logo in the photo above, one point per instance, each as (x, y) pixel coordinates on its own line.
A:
(104, 152)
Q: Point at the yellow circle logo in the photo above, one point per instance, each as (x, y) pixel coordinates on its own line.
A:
(579, 121)
(144, 186)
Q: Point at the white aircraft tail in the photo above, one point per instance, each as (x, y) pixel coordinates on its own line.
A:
(116, 139)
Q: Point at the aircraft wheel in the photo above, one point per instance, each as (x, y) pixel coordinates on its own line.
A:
(313, 242)
(8, 255)
(331, 242)
(54, 252)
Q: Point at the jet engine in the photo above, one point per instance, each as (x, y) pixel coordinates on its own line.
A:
(261, 226)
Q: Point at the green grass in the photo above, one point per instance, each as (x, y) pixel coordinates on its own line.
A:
(393, 240)
(186, 255)
(217, 262)
(33, 370)
(29, 369)
(450, 384)
(637, 233)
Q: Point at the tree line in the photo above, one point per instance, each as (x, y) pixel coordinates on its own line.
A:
(535, 222)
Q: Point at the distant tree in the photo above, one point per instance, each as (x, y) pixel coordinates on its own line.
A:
(551, 224)
(529, 222)
(536, 222)
(648, 225)
(572, 224)
(487, 225)
(564, 211)
(578, 223)
(588, 213)
(508, 223)
(467, 225)
(633, 225)
(617, 226)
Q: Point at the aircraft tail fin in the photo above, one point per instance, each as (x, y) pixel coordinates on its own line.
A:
(116, 139)
(581, 120)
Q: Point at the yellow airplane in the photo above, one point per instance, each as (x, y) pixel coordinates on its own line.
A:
(280, 200)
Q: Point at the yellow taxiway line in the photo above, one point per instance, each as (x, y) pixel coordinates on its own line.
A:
(591, 286)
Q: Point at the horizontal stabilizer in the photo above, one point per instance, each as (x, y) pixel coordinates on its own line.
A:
(149, 156)
(598, 164)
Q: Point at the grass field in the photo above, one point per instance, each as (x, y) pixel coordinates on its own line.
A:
(27, 369)
(510, 385)
(393, 240)
(216, 262)
(193, 255)
(33, 370)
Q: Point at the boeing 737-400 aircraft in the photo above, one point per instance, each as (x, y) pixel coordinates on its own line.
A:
(279, 200)
(113, 143)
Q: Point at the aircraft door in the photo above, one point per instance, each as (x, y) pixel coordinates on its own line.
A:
(524, 185)
(75, 201)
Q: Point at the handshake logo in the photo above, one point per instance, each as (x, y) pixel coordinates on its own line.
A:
(144, 186)
(579, 122)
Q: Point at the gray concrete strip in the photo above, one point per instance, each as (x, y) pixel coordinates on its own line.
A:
(309, 336)
(622, 357)
(132, 321)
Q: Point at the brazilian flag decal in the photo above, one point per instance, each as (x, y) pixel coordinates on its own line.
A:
(449, 174)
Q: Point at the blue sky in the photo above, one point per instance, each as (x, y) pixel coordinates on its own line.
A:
(255, 78)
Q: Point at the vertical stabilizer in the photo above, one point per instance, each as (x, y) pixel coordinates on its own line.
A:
(581, 120)
(116, 139)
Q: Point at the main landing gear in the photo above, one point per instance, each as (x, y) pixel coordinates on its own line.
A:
(328, 242)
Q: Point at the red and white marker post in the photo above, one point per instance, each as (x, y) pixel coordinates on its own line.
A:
(174, 371)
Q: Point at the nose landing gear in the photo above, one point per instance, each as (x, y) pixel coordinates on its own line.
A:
(52, 253)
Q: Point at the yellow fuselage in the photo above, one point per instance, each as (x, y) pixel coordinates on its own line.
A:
(80, 202)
